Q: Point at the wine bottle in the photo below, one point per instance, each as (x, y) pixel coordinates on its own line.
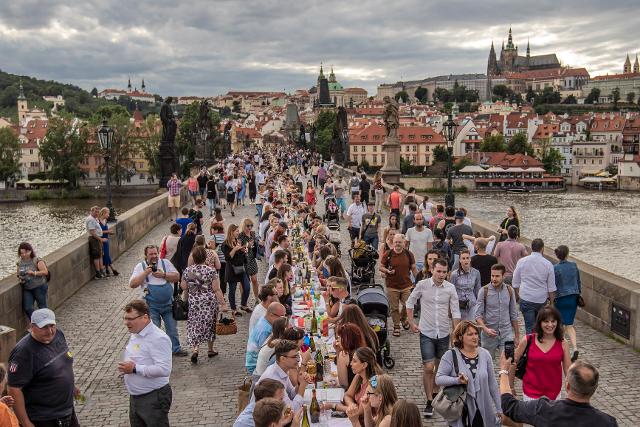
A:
(312, 343)
(319, 365)
(314, 409)
(305, 418)
(314, 323)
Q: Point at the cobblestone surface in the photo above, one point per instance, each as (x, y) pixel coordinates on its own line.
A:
(205, 394)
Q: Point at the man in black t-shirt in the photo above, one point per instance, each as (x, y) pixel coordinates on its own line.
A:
(482, 261)
(41, 377)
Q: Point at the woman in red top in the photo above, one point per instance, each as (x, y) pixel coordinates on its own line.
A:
(310, 194)
(548, 356)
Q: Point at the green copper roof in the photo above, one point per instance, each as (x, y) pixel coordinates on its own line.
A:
(335, 86)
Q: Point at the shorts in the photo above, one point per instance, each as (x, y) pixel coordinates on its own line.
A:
(174, 201)
(433, 348)
(193, 193)
(491, 344)
(95, 248)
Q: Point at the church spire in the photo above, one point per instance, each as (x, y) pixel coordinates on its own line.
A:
(510, 40)
(636, 65)
(528, 49)
(627, 65)
(143, 87)
(332, 76)
(21, 96)
(129, 84)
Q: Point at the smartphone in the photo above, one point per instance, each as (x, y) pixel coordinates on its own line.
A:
(509, 347)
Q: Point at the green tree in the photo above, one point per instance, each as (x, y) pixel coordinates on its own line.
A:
(630, 97)
(421, 94)
(402, 95)
(441, 94)
(64, 148)
(615, 94)
(530, 95)
(148, 140)
(593, 96)
(547, 96)
(406, 167)
(518, 144)
(465, 161)
(570, 100)
(94, 92)
(324, 125)
(9, 155)
(552, 160)
(493, 144)
(440, 154)
(502, 92)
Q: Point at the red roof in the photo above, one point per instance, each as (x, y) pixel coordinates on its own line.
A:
(248, 132)
(618, 76)
(614, 124)
(508, 160)
(35, 130)
(375, 133)
(546, 131)
(547, 74)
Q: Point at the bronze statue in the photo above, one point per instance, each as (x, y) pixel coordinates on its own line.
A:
(340, 140)
(169, 126)
(204, 119)
(226, 150)
(302, 138)
(391, 117)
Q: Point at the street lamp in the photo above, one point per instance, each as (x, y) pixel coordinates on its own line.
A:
(105, 138)
(450, 133)
(203, 136)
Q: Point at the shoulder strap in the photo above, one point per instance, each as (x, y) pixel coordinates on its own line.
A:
(455, 361)
(486, 292)
(144, 267)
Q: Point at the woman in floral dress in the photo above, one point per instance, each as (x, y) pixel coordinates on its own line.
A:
(201, 284)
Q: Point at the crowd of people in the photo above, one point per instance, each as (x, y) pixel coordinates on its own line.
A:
(459, 291)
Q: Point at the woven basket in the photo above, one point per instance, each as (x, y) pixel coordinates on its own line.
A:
(226, 325)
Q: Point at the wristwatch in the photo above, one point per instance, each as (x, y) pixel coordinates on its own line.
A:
(503, 372)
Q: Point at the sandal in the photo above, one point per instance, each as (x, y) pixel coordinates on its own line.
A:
(212, 353)
(406, 325)
(247, 309)
(237, 313)
(396, 331)
(194, 358)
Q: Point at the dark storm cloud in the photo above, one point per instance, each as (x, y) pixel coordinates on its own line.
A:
(208, 47)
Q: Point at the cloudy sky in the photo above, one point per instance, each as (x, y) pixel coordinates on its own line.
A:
(200, 47)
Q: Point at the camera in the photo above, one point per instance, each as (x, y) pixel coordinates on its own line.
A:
(154, 267)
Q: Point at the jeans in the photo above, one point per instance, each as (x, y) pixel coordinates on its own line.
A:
(38, 294)
(170, 325)
(212, 206)
(371, 240)
(397, 297)
(379, 200)
(259, 210)
(433, 348)
(491, 344)
(246, 287)
(530, 312)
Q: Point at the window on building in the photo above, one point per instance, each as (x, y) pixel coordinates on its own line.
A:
(376, 137)
(415, 148)
(375, 159)
(412, 136)
(382, 158)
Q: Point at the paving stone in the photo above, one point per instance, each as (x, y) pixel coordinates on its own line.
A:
(205, 394)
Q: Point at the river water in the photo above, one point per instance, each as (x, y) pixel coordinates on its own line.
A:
(47, 225)
(600, 228)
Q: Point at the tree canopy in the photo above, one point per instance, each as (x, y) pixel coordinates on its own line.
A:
(519, 144)
(64, 148)
(493, 144)
(9, 155)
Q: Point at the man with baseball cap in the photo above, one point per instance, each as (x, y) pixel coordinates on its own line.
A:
(41, 377)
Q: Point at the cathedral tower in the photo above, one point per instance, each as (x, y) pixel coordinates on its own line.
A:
(627, 66)
(636, 65)
(22, 104)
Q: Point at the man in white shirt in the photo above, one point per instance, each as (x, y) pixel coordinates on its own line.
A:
(146, 368)
(420, 240)
(266, 295)
(354, 217)
(155, 277)
(287, 356)
(437, 297)
(535, 282)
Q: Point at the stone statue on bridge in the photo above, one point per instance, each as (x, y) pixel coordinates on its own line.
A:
(340, 138)
(391, 117)
(168, 120)
(167, 155)
(226, 137)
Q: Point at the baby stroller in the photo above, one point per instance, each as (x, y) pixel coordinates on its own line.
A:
(363, 264)
(375, 306)
(332, 219)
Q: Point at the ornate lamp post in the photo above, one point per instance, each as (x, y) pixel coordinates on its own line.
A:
(105, 138)
(203, 137)
(450, 133)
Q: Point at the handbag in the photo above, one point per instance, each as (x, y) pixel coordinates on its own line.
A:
(244, 394)
(521, 367)
(179, 307)
(238, 269)
(581, 302)
(226, 325)
(463, 304)
(450, 401)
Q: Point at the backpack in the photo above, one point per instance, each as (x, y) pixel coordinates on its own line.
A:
(48, 276)
(447, 226)
(486, 292)
(390, 254)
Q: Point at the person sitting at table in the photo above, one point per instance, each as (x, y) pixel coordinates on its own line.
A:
(405, 413)
(335, 296)
(279, 259)
(349, 338)
(297, 335)
(378, 402)
(285, 273)
(287, 357)
(335, 268)
(267, 388)
(352, 313)
(364, 367)
(265, 355)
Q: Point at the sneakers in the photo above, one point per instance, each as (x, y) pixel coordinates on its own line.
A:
(180, 353)
(98, 276)
(115, 273)
(428, 410)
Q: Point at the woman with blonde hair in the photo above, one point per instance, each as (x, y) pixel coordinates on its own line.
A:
(378, 191)
(235, 255)
(379, 400)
